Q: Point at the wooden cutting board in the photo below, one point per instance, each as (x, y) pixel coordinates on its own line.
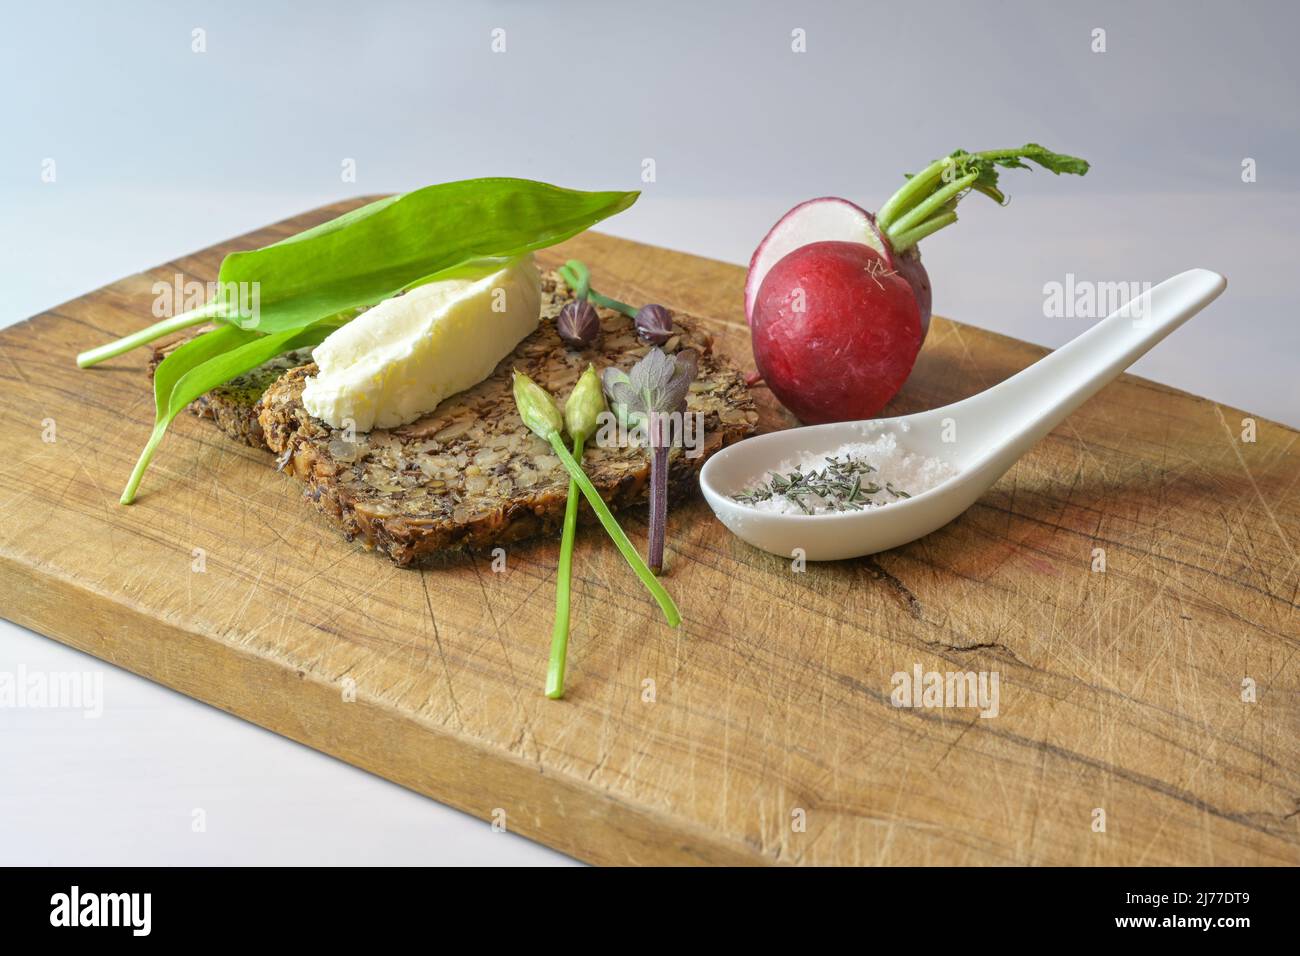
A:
(763, 730)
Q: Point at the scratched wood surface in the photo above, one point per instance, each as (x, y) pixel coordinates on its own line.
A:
(771, 736)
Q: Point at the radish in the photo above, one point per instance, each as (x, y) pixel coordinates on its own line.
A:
(832, 218)
(836, 331)
(925, 204)
(813, 221)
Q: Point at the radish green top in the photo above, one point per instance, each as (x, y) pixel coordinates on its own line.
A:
(928, 201)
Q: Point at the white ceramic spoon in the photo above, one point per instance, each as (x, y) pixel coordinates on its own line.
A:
(992, 430)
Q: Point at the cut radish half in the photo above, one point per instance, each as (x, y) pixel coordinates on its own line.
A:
(817, 220)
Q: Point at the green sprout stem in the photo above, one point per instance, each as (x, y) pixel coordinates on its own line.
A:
(910, 193)
(581, 283)
(142, 463)
(931, 205)
(906, 240)
(204, 313)
(578, 278)
(616, 534)
(560, 636)
(606, 302)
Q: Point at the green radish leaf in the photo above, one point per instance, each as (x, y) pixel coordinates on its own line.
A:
(205, 362)
(986, 164)
(1053, 162)
(374, 252)
(927, 202)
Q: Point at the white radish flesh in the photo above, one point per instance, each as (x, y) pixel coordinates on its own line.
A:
(817, 220)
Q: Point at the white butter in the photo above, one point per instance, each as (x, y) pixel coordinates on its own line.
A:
(397, 361)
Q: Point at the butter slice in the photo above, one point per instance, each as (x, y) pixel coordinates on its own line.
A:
(397, 361)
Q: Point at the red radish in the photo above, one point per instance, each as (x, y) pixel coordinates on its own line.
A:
(816, 220)
(832, 218)
(909, 267)
(835, 331)
(925, 204)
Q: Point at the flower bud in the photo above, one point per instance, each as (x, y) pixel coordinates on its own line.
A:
(536, 407)
(654, 324)
(584, 405)
(577, 324)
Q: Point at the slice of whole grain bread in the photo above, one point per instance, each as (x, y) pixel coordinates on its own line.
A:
(470, 474)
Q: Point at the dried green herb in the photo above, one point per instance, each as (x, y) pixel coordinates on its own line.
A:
(841, 486)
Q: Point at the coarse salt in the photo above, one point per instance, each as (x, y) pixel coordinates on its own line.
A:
(896, 473)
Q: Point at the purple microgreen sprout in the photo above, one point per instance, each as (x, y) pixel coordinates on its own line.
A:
(649, 398)
(654, 324)
(577, 324)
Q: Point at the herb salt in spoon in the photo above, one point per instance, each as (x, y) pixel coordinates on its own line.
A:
(968, 445)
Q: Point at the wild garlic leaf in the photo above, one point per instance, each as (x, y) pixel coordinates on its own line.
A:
(202, 364)
(374, 252)
(190, 355)
(312, 282)
(248, 355)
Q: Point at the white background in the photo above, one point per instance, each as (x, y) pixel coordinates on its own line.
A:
(159, 150)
